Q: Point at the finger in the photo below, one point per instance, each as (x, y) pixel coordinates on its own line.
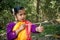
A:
(23, 25)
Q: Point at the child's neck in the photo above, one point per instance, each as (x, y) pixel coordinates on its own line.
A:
(19, 21)
(16, 21)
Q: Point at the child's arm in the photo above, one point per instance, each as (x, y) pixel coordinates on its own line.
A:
(13, 34)
(36, 29)
(33, 28)
(10, 34)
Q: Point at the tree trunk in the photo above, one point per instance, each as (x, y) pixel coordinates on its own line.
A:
(37, 10)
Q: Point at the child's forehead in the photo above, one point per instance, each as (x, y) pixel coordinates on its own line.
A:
(21, 11)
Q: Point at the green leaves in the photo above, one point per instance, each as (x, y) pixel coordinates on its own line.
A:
(45, 10)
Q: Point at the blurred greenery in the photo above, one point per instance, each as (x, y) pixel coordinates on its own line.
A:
(37, 11)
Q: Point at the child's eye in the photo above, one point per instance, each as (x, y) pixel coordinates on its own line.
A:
(24, 13)
(20, 14)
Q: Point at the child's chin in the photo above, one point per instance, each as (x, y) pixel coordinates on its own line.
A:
(21, 20)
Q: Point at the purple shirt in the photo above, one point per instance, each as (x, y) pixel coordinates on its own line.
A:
(11, 35)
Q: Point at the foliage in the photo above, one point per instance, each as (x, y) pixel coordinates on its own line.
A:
(36, 11)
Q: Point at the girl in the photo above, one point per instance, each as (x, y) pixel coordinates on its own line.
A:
(21, 29)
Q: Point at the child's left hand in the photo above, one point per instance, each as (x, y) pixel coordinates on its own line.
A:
(39, 29)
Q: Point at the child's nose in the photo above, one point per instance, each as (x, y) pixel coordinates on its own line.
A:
(23, 16)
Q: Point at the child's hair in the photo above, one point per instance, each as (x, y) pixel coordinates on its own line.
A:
(16, 9)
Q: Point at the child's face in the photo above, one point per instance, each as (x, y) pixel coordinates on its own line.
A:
(20, 15)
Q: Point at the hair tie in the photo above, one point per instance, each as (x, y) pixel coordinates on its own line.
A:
(13, 11)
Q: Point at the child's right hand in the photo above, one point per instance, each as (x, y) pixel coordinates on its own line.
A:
(20, 28)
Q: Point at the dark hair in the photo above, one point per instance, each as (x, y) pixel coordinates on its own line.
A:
(16, 9)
